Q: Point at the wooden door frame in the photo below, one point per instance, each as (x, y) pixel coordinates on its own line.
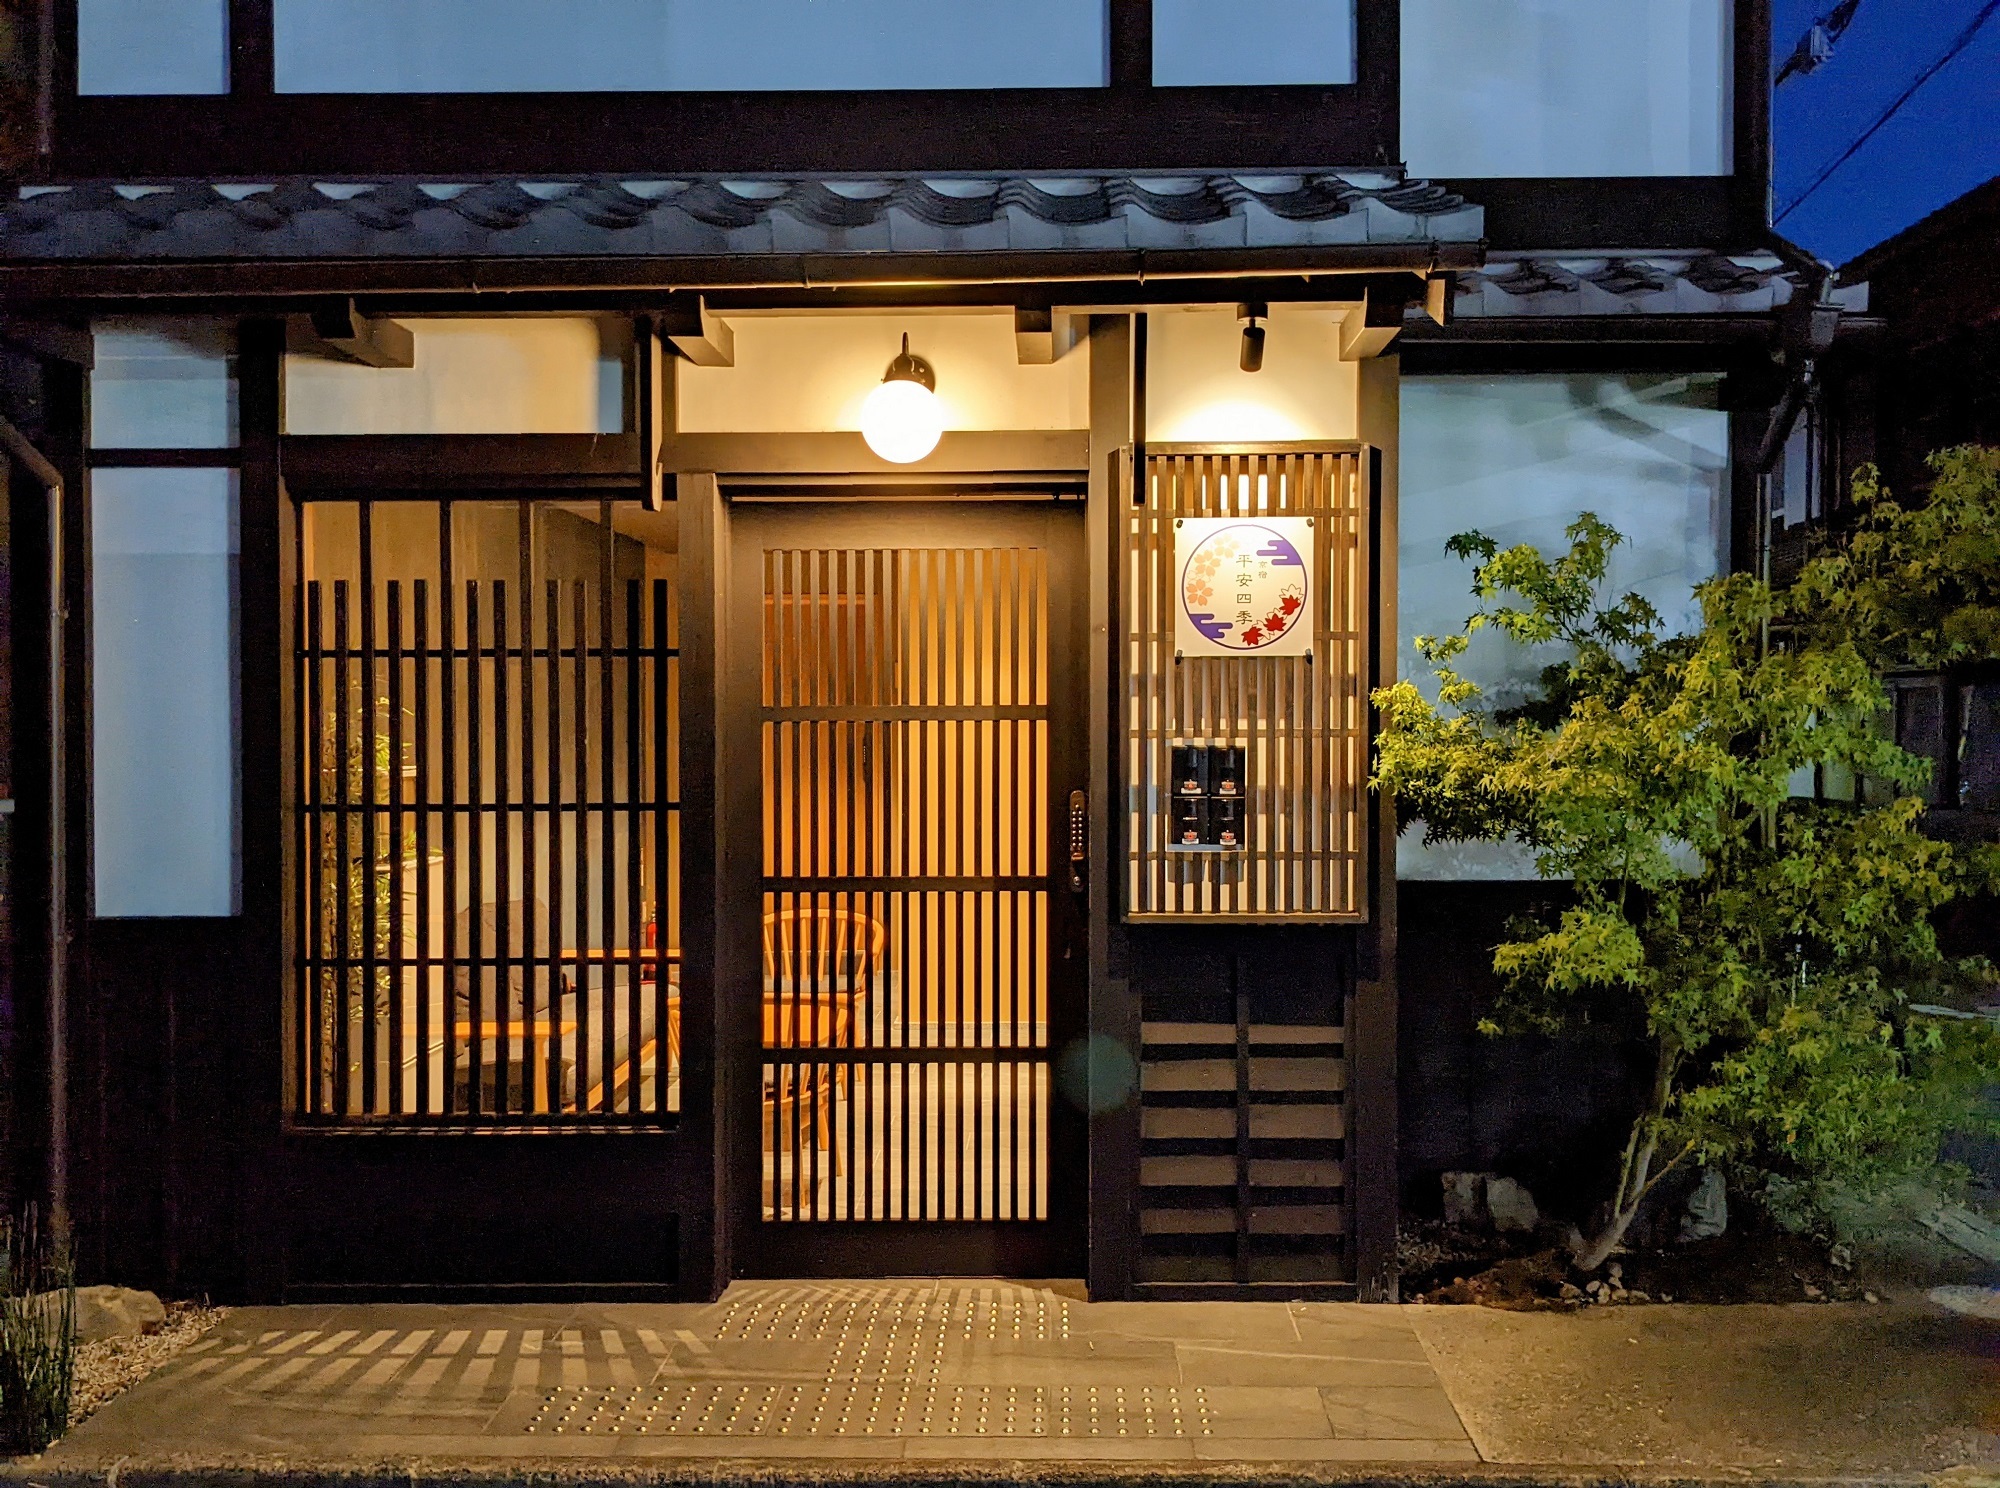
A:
(882, 1247)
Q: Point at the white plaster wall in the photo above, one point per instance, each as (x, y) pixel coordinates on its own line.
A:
(1196, 391)
(1567, 87)
(524, 375)
(1518, 458)
(526, 46)
(799, 373)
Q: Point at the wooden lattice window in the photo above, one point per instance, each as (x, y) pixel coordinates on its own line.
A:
(1302, 721)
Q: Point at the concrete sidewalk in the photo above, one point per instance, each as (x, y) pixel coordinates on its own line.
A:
(922, 1380)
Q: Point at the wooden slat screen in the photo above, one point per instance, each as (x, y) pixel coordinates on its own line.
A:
(1303, 721)
(1243, 1159)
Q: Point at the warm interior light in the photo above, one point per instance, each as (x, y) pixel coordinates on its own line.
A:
(901, 419)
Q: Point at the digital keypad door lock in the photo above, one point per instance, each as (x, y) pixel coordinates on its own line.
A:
(1079, 839)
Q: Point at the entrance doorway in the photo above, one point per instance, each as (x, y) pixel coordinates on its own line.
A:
(915, 736)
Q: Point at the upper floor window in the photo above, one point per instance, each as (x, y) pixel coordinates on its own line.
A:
(1251, 43)
(152, 46)
(582, 46)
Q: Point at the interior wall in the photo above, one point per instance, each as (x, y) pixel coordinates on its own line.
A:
(1568, 87)
(811, 373)
(517, 375)
(1196, 391)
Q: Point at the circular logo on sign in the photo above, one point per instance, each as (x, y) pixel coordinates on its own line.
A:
(1244, 586)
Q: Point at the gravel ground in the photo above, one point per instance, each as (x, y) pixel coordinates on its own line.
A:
(106, 1369)
(1820, 1389)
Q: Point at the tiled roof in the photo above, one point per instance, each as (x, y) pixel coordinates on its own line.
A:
(1513, 285)
(302, 219)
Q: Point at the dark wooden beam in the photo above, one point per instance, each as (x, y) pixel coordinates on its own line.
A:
(1530, 213)
(315, 463)
(653, 407)
(704, 339)
(1084, 278)
(51, 340)
(1130, 63)
(252, 64)
(1052, 452)
(337, 329)
(469, 136)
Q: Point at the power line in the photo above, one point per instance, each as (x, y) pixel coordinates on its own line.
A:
(1959, 44)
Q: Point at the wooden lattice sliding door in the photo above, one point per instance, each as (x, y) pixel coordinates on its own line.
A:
(918, 939)
(1301, 722)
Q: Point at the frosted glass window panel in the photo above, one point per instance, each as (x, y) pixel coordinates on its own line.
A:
(164, 797)
(130, 47)
(163, 384)
(1518, 458)
(1246, 43)
(542, 46)
(1567, 87)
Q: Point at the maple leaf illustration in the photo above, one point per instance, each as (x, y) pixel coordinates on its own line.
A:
(1254, 636)
(1289, 604)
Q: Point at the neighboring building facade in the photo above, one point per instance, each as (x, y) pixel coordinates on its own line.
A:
(516, 794)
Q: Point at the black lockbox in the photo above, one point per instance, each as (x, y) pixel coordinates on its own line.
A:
(1225, 822)
(1225, 770)
(1191, 769)
(1190, 819)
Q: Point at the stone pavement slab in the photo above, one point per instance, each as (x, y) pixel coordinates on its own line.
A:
(961, 1371)
(995, 1383)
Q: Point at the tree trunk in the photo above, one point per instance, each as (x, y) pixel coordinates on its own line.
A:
(1635, 1175)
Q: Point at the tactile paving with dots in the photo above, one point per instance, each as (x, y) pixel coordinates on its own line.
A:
(844, 1315)
(898, 1408)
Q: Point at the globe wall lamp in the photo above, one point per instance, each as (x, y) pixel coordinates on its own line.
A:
(901, 419)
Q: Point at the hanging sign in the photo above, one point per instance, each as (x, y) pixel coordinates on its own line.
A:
(1243, 586)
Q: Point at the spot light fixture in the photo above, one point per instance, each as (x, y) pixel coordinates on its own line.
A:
(901, 419)
(1251, 316)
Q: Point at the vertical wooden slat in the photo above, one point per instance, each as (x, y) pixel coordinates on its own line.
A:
(552, 594)
(398, 958)
(634, 931)
(420, 724)
(343, 940)
(315, 1012)
(474, 812)
(448, 799)
(587, 1075)
(607, 761)
(504, 1013)
(367, 867)
(535, 978)
(665, 870)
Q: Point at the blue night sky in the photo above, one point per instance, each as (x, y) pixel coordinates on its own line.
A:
(1944, 142)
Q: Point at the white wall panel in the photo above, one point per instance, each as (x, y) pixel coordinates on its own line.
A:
(532, 46)
(131, 47)
(798, 373)
(1567, 87)
(1518, 458)
(1196, 391)
(525, 375)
